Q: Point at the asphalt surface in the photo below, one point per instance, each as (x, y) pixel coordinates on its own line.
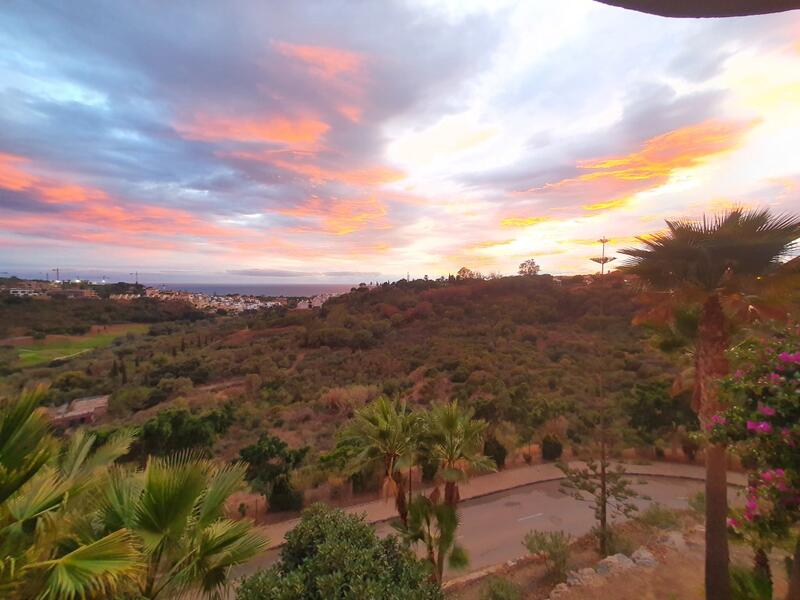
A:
(492, 527)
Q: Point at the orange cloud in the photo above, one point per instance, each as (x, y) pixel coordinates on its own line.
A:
(340, 71)
(11, 176)
(90, 214)
(341, 217)
(613, 180)
(522, 221)
(277, 130)
(325, 62)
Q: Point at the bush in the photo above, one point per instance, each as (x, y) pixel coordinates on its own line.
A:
(496, 451)
(551, 448)
(747, 584)
(554, 548)
(498, 588)
(697, 503)
(616, 543)
(331, 554)
(659, 517)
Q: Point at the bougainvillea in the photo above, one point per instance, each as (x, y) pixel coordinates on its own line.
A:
(762, 424)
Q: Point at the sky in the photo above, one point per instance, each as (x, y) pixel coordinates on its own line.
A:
(346, 141)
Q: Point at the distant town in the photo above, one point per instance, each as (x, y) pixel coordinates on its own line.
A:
(127, 292)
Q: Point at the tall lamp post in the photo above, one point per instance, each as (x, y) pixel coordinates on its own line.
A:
(603, 259)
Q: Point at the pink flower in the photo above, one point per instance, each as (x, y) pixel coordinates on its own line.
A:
(718, 419)
(774, 378)
(759, 426)
(733, 523)
(767, 411)
(738, 374)
(790, 357)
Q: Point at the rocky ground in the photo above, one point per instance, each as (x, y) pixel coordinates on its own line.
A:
(665, 565)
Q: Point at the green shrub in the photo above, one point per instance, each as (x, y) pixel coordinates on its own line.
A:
(658, 516)
(697, 503)
(497, 588)
(616, 543)
(553, 546)
(331, 554)
(551, 448)
(747, 584)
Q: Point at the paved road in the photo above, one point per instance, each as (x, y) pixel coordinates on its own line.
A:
(493, 526)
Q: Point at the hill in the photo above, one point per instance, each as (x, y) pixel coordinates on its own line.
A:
(518, 349)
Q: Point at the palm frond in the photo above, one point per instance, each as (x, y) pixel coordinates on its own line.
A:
(223, 482)
(709, 252)
(172, 486)
(102, 567)
(25, 443)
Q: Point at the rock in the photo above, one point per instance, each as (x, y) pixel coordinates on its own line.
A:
(674, 540)
(586, 576)
(616, 562)
(558, 591)
(644, 558)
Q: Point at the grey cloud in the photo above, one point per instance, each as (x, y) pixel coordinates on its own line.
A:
(268, 273)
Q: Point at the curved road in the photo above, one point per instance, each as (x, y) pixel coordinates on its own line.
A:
(492, 526)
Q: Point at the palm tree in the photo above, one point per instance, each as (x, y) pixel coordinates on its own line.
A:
(385, 432)
(175, 507)
(454, 440)
(49, 546)
(726, 266)
(434, 525)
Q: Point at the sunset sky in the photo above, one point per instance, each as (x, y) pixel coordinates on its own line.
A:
(346, 141)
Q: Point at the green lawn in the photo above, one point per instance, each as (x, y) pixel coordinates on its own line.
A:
(43, 351)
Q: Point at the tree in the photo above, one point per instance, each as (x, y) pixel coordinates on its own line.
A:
(434, 525)
(762, 424)
(176, 429)
(47, 542)
(331, 554)
(720, 265)
(270, 463)
(385, 432)
(465, 273)
(175, 506)
(454, 439)
(528, 268)
(600, 482)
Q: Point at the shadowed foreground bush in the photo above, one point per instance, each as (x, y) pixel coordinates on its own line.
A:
(331, 554)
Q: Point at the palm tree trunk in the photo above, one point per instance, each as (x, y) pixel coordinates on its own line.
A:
(400, 502)
(794, 575)
(451, 496)
(603, 500)
(710, 366)
(761, 564)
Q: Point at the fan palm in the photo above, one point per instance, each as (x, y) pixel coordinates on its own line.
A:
(454, 440)
(435, 526)
(728, 267)
(49, 544)
(386, 432)
(175, 507)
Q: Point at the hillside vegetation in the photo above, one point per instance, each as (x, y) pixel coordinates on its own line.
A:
(516, 349)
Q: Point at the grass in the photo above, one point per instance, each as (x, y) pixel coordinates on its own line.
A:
(659, 517)
(49, 349)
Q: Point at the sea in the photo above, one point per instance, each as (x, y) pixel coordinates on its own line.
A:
(305, 290)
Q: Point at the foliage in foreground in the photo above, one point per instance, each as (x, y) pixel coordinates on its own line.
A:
(762, 422)
(434, 525)
(74, 525)
(333, 555)
(497, 588)
(553, 546)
